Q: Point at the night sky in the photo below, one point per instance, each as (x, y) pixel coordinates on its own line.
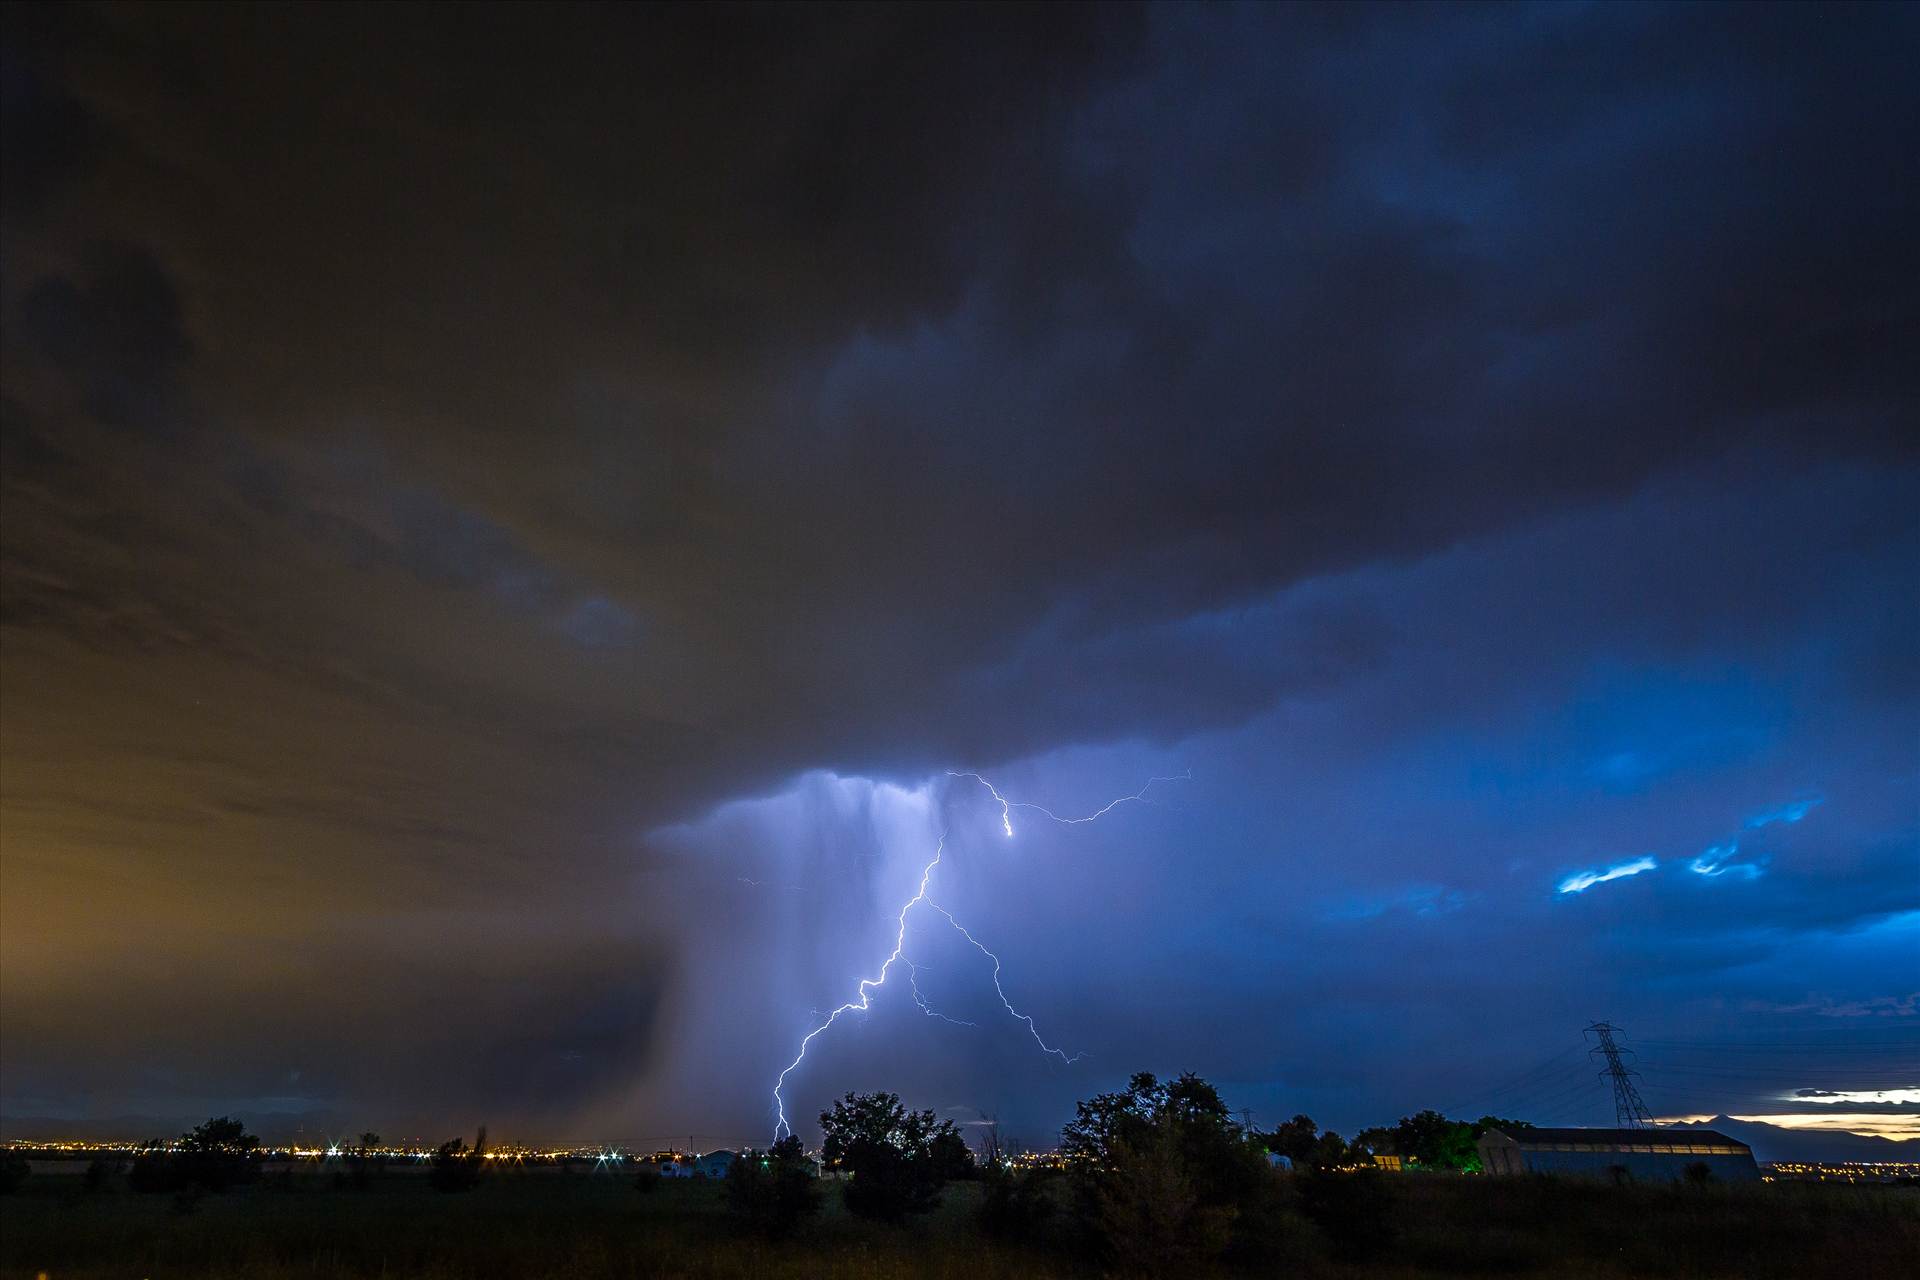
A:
(511, 514)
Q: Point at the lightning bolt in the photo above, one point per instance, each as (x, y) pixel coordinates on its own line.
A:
(863, 998)
(1019, 1016)
(913, 985)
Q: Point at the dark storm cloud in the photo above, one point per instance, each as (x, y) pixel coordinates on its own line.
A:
(443, 445)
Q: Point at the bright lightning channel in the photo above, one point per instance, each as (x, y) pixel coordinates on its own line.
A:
(867, 987)
(863, 1000)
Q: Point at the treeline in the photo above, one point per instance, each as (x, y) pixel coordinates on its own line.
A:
(1156, 1177)
(1427, 1139)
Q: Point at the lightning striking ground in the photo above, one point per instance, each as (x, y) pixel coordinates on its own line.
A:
(863, 1000)
(866, 989)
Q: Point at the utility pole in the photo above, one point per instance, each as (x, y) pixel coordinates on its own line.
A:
(1628, 1111)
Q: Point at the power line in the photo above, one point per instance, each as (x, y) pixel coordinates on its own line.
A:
(1532, 1077)
(1547, 1093)
(1760, 1075)
(1799, 1050)
(1857, 1036)
(1759, 1072)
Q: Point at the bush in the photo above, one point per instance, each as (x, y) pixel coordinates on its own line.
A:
(772, 1191)
(363, 1161)
(216, 1155)
(14, 1170)
(155, 1169)
(1351, 1210)
(1152, 1215)
(1163, 1172)
(455, 1168)
(1018, 1206)
(219, 1154)
(100, 1174)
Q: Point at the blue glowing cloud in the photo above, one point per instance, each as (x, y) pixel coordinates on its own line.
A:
(1785, 813)
(1717, 861)
(1581, 881)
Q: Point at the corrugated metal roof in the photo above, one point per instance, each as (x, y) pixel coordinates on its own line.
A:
(1616, 1137)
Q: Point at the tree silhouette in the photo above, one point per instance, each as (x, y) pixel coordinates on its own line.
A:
(1163, 1171)
(363, 1159)
(455, 1167)
(1296, 1139)
(897, 1159)
(213, 1156)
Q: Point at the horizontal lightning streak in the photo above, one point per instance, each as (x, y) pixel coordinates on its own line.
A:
(1008, 806)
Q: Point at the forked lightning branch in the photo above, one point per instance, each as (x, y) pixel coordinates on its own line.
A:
(863, 995)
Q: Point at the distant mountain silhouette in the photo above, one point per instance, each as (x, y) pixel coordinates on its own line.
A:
(1772, 1142)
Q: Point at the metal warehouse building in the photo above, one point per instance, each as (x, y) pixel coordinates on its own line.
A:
(1645, 1155)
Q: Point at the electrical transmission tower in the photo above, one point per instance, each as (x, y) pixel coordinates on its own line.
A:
(1628, 1111)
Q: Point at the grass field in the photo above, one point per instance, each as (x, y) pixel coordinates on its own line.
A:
(595, 1227)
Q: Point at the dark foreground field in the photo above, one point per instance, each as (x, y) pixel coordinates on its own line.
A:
(546, 1224)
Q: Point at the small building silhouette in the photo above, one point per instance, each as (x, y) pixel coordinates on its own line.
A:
(1640, 1155)
(714, 1164)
